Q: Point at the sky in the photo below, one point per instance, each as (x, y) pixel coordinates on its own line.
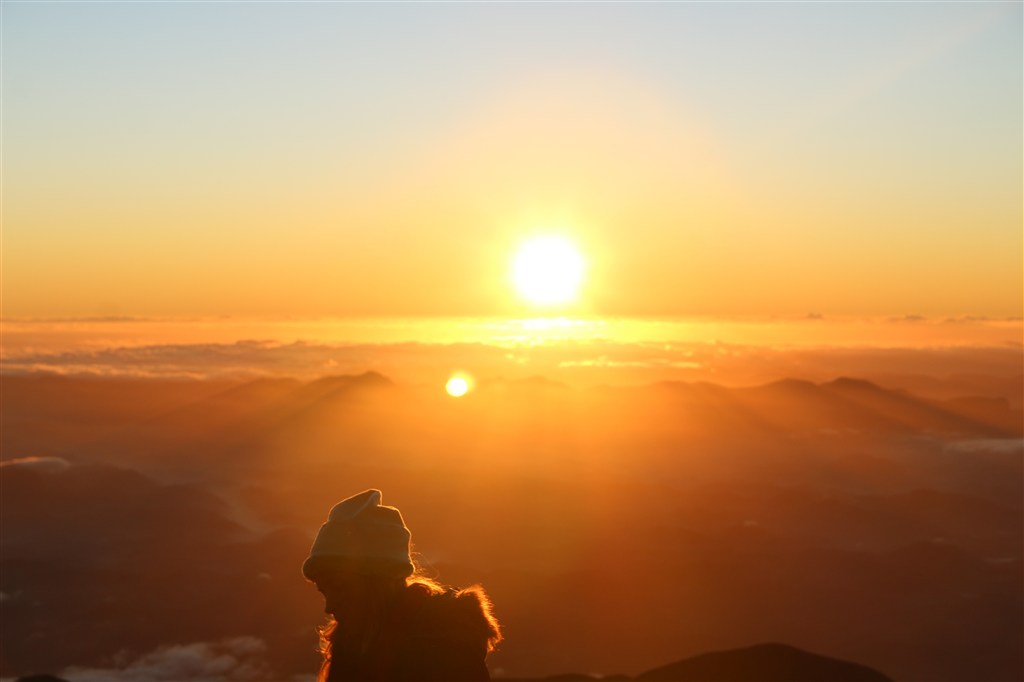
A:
(386, 159)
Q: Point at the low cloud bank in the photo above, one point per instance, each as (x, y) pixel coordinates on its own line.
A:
(996, 445)
(938, 372)
(42, 464)
(237, 659)
(594, 349)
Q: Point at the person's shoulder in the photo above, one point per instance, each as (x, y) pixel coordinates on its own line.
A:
(447, 634)
(465, 615)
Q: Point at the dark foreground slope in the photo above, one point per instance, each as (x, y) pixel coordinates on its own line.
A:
(763, 663)
(759, 663)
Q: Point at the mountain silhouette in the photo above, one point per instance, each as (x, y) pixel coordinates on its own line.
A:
(763, 663)
(770, 662)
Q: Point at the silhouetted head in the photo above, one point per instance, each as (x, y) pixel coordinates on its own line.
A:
(352, 594)
(360, 555)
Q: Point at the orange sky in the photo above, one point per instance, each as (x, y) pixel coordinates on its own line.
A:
(865, 163)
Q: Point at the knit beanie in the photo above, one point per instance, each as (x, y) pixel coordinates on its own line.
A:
(364, 536)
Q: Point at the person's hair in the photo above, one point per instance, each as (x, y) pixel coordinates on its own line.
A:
(380, 591)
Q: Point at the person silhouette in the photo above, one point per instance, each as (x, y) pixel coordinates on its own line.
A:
(389, 622)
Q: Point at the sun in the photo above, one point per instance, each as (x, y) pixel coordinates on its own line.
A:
(548, 270)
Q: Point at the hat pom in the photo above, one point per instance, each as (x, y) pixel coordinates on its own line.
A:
(350, 508)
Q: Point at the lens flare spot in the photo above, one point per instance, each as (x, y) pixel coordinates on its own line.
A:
(457, 386)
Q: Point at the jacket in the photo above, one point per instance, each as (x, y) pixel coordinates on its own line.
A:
(428, 637)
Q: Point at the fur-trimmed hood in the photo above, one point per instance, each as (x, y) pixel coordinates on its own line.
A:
(435, 634)
(464, 615)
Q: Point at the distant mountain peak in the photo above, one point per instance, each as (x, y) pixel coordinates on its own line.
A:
(365, 380)
(850, 383)
(792, 384)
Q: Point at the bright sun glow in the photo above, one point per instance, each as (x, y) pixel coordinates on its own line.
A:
(457, 386)
(548, 270)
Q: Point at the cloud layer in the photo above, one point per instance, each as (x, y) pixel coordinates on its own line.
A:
(237, 659)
